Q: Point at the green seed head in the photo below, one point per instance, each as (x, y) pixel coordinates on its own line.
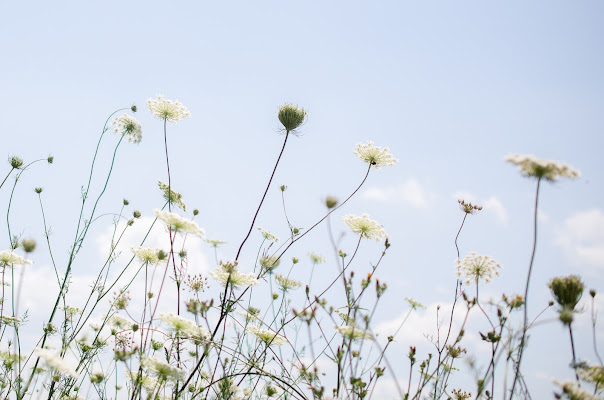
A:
(291, 116)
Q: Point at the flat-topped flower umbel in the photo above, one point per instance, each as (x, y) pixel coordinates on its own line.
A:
(535, 167)
(375, 156)
(168, 110)
(365, 226)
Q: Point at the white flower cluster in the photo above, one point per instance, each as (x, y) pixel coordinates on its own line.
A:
(169, 110)
(572, 391)
(475, 267)
(183, 327)
(287, 284)
(550, 170)
(147, 255)
(9, 257)
(365, 226)
(375, 156)
(227, 272)
(128, 126)
(162, 370)
(178, 223)
(268, 236)
(172, 196)
(55, 363)
(149, 383)
(267, 336)
(354, 333)
(316, 258)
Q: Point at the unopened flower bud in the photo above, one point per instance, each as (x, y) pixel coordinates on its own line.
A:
(592, 292)
(38, 190)
(126, 202)
(134, 108)
(291, 116)
(136, 214)
(331, 202)
(29, 245)
(15, 162)
(50, 159)
(195, 212)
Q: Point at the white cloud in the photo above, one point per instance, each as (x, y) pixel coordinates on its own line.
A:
(409, 193)
(582, 238)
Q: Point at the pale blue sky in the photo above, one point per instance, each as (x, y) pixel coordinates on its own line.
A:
(450, 87)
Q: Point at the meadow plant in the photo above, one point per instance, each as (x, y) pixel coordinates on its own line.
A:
(262, 333)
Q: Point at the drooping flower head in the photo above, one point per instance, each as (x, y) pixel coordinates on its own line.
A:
(171, 195)
(534, 167)
(178, 223)
(228, 272)
(9, 257)
(169, 110)
(267, 336)
(365, 226)
(128, 126)
(475, 267)
(375, 156)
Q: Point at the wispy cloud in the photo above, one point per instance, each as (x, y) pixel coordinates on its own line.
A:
(410, 193)
(582, 238)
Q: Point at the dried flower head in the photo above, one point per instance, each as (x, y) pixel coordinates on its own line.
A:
(459, 394)
(128, 126)
(197, 283)
(8, 257)
(168, 110)
(267, 336)
(550, 170)
(287, 284)
(268, 236)
(291, 116)
(178, 223)
(375, 156)
(475, 267)
(172, 196)
(468, 208)
(228, 272)
(121, 300)
(365, 226)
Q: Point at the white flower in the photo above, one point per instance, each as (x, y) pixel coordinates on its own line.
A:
(375, 156)
(215, 242)
(316, 258)
(10, 321)
(354, 333)
(475, 267)
(365, 226)
(9, 257)
(127, 125)
(267, 336)
(286, 283)
(146, 381)
(55, 363)
(146, 255)
(178, 223)
(268, 236)
(183, 327)
(573, 392)
(550, 170)
(162, 370)
(119, 322)
(171, 195)
(227, 272)
(172, 111)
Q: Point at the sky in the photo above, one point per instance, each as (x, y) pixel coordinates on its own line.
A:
(449, 87)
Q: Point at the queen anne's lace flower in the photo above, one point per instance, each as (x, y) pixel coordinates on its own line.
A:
(171, 195)
(169, 110)
(55, 363)
(183, 327)
(287, 284)
(10, 257)
(365, 226)
(354, 333)
(128, 126)
(316, 258)
(162, 370)
(475, 267)
(178, 223)
(267, 235)
(375, 156)
(550, 170)
(146, 381)
(118, 322)
(146, 255)
(572, 391)
(227, 272)
(267, 336)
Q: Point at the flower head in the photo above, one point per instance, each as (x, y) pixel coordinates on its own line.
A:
(147, 255)
(178, 223)
(291, 116)
(267, 336)
(375, 156)
(365, 226)
(414, 303)
(268, 236)
(55, 363)
(550, 170)
(215, 242)
(169, 110)
(316, 258)
(468, 208)
(128, 126)
(572, 391)
(228, 272)
(172, 196)
(567, 292)
(183, 327)
(354, 333)
(475, 267)
(162, 370)
(287, 284)
(9, 257)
